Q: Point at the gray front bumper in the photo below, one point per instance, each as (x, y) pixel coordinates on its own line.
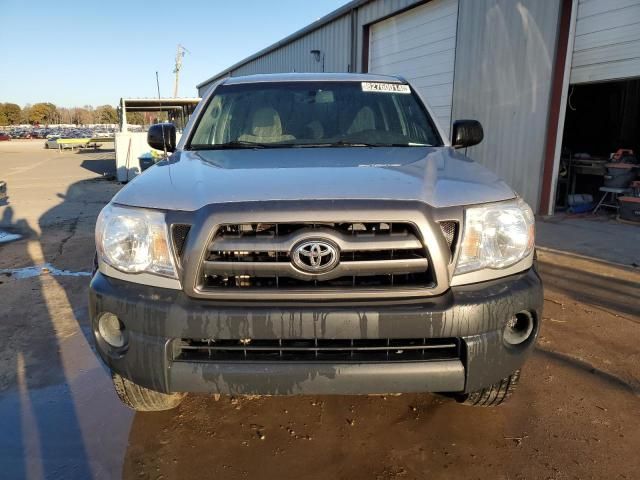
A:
(281, 378)
(476, 314)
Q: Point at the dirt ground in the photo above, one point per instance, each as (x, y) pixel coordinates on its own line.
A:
(575, 415)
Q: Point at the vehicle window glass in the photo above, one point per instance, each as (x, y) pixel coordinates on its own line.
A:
(313, 114)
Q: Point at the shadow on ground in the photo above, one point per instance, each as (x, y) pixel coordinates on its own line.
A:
(56, 400)
(593, 288)
(101, 166)
(41, 434)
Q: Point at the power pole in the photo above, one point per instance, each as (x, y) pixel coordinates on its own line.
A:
(179, 56)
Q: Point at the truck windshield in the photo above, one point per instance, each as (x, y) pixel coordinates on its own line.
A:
(314, 114)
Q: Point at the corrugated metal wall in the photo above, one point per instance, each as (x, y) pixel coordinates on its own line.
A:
(607, 41)
(420, 45)
(504, 61)
(331, 39)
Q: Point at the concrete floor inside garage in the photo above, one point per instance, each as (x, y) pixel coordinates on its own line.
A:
(600, 237)
(574, 416)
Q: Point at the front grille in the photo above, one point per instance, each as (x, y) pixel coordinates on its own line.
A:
(317, 350)
(259, 256)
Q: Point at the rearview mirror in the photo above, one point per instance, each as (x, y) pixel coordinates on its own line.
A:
(466, 133)
(161, 136)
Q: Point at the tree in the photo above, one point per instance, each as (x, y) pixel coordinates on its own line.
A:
(81, 116)
(12, 113)
(42, 113)
(66, 116)
(135, 118)
(105, 114)
(26, 111)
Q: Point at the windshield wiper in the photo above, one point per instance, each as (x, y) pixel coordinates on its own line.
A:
(409, 144)
(345, 143)
(237, 144)
(340, 143)
(229, 145)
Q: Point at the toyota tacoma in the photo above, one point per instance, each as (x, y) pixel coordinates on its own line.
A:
(315, 234)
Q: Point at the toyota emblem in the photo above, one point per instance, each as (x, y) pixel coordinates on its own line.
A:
(315, 256)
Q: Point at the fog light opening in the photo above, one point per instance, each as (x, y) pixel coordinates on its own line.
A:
(112, 330)
(518, 328)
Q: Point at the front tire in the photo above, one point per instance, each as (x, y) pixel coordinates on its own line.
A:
(493, 395)
(142, 399)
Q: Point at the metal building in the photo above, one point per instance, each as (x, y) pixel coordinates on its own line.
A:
(507, 64)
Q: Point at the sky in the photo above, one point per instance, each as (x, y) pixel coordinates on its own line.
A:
(88, 52)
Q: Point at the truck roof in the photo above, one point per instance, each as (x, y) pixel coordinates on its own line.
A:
(312, 77)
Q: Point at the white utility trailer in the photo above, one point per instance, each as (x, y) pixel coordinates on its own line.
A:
(130, 145)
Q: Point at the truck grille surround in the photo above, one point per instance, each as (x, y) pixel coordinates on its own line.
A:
(315, 256)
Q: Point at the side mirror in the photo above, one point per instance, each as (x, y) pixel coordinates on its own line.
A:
(466, 133)
(161, 136)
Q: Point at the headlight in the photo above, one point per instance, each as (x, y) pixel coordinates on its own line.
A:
(134, 240)
(496, 236)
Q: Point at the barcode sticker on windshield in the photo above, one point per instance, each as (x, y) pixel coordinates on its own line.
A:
(385, 87)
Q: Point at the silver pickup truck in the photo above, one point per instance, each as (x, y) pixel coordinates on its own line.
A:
(315, 234)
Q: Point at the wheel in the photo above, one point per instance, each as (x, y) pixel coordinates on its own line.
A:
(143, 399)
(493, 395)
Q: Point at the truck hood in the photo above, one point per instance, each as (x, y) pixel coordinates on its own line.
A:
(189, 180)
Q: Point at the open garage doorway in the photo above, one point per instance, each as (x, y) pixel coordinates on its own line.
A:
(601, 146)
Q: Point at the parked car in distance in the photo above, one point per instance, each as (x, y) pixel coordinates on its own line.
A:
(315, 234)
(4, 137)
(51, 141)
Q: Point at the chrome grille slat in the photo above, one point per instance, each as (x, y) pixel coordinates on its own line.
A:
(363, 268)
(357, 242)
